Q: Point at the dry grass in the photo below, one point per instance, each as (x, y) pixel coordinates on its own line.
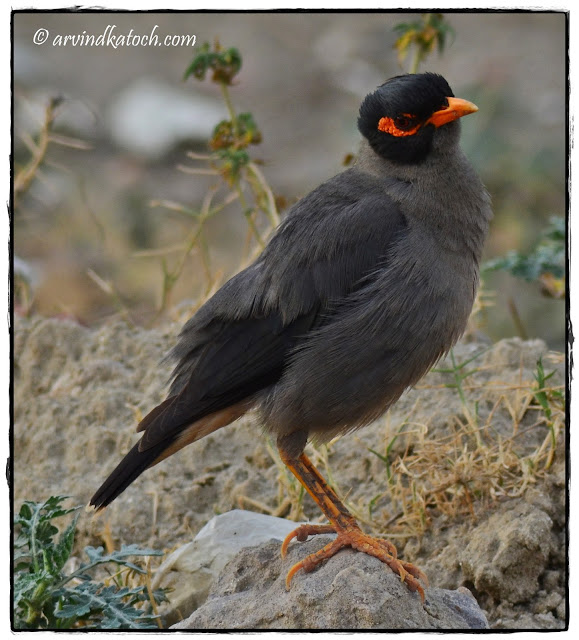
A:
(483, 456)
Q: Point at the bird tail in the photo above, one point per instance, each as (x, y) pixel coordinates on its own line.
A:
(146, 454)
(128, 470)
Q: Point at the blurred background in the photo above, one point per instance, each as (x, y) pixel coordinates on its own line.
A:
(104, 215)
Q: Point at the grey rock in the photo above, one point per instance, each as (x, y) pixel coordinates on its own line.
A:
(190, 570)
(349, 591)
(508, 552)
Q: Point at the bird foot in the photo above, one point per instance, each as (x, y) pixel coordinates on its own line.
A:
(354, 537)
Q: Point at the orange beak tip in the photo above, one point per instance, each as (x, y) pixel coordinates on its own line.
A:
(461, 107)
(457, 108)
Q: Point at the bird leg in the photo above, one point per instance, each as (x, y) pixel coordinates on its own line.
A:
(341, 522)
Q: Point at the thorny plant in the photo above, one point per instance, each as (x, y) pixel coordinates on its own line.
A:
(545, 264)
(51, 593)
(38, 147)
(424, 35)
(33, 170)
(238, 178)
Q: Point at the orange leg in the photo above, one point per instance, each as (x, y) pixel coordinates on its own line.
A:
(343, 523)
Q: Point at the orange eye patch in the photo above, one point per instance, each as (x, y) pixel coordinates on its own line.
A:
(404, 126)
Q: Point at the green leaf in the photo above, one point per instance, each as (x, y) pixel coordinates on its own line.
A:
(425, 35)
(63, 548)
(200, 63)
(541, 395)
(35, 532)
(45, 598)
(105, 607)
(225, 64)
(547, 257)
(96, 556)
(25, 585)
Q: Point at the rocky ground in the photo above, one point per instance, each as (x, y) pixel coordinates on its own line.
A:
(352, 591)
(493, 521)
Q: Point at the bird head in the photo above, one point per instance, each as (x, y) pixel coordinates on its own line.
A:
(403, 118)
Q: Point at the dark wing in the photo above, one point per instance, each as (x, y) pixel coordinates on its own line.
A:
(230, 361)
(240, 340)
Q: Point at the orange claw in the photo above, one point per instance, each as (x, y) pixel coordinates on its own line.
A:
(352, 536)
(390, 548)
(309, 563)
(303, 531)
(341, 522)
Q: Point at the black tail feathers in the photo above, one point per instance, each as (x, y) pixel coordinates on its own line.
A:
(128, 470)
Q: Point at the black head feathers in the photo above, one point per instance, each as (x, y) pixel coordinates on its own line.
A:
(394, 117)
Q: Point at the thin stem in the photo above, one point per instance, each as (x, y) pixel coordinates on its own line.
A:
(517, 319)
(230, 109)
(248, 212)
(24, 178)
(416, 60)
(271, 210)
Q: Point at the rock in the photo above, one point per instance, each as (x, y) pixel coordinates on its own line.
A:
(190, 570)
(24, 270)
(508, 552)
(527, 622)
(350, 591)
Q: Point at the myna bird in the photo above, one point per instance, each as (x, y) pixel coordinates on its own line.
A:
(367, 282)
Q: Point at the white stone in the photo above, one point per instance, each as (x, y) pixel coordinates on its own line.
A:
(190, 570)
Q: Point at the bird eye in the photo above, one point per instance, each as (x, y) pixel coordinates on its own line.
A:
(404, 122)
(402, 125)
